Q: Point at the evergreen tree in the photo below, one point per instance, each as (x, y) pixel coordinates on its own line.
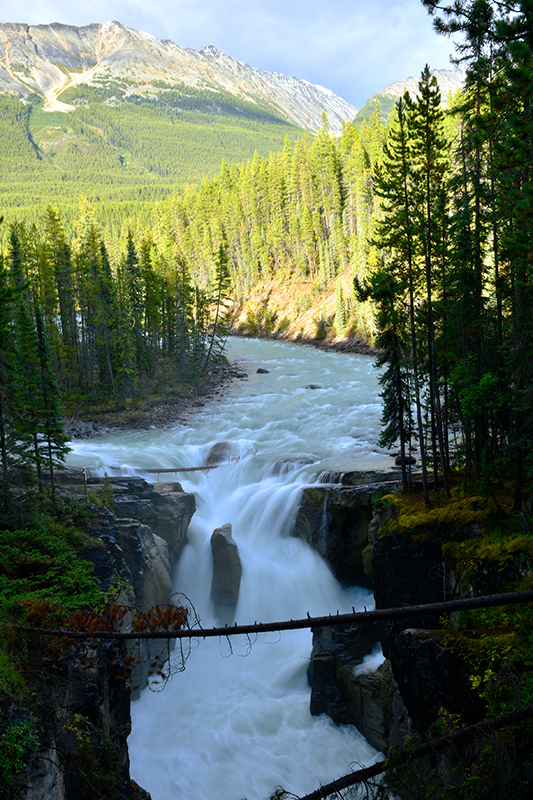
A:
(218, 332)
(8, 298)
(57, 253)
(49, 412)
(397, 233)
(428, 154)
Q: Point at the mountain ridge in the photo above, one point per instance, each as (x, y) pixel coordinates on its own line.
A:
(448, 80)
(47, 59)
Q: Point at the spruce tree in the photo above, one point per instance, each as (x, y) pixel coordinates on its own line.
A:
(49, 411)
(8, 298)
(428, 153)
(396, 233)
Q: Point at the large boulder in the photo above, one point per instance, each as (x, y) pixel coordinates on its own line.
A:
(218, 454)
(227, 572)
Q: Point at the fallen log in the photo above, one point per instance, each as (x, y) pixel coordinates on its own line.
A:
(445, 607)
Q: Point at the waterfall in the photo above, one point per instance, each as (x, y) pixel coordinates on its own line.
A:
(236, 722)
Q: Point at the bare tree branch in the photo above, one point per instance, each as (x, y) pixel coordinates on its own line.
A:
(402, 758)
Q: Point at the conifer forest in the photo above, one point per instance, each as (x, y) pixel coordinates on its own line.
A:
(426, 216)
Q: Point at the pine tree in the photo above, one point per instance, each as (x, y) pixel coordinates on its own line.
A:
(397, 233)
(8, 298)
(428, 152)
(58, 255)
(220, 301)
(49, 411)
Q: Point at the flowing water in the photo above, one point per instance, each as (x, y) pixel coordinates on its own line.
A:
(236, 722)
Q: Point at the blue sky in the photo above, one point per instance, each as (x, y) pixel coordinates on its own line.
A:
(354, 47)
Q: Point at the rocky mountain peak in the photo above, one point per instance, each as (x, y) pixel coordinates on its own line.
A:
(47, 59)
(210, 51)
(448, 80)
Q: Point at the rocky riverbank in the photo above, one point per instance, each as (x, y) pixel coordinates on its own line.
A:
(180, 409)
(435, 675)
(77, 698)
(350, 344)
(154, 414)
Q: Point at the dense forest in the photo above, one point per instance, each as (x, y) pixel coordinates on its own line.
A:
(123, 151)
(76, 327)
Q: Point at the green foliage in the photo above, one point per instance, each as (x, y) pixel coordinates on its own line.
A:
(385, 104)
(94, 764)
(104, 496)
(41, 562)
(458, 510)
(18, 743)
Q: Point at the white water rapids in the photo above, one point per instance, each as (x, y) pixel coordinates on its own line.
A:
(237, 724)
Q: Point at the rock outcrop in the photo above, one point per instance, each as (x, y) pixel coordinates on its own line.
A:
(432, 676)
(334, 519)
(375, 705)
(83, 705)
(433, 679)
(143, 535)
(335, 648)
(83, 713)
(164, 507)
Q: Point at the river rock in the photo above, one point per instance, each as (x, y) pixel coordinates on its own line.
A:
(218, 454)
(227, 572)
(262, 371)
(399, 460)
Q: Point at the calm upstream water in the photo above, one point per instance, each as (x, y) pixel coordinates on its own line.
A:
(236, 723)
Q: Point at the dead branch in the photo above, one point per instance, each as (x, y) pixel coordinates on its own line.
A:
(405, 756)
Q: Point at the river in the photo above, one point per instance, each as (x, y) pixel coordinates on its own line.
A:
(236, 723)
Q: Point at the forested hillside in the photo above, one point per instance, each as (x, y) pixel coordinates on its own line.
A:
(124, 155)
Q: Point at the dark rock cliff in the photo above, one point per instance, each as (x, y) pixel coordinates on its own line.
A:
(83, 702)
(422, 673)
(336, 519)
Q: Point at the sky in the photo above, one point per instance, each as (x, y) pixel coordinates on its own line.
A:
(353, 47)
